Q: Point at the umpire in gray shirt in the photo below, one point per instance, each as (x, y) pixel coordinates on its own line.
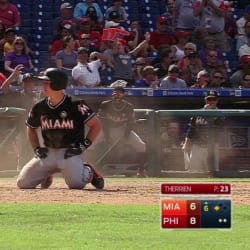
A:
(173, 80)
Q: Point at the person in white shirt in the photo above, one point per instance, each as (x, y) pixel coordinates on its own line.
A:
(86, 73)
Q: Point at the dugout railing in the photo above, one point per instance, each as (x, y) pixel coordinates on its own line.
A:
(163, 131)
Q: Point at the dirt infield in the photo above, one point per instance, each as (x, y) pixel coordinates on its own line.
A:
(116, 192)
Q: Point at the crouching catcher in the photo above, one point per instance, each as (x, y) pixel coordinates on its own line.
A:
(61, 120)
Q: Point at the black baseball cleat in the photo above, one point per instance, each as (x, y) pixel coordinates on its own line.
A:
(46, 183)
(98, 180)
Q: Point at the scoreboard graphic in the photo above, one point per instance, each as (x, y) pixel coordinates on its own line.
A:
(196, 206)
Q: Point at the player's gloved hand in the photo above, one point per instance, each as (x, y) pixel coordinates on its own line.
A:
(72, 152)
(41, 152)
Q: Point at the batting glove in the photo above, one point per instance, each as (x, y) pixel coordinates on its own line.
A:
(72, 152)
(41, 152)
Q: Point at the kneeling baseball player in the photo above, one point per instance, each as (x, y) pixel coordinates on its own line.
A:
(62, 121)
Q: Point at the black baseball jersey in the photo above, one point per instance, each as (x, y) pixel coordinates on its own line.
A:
(199, 129)
(61, 125)
(116, 113)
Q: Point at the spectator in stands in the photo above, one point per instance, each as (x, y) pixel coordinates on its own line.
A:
(2, 41)
(86, 42)
(66, 10)
(207, 45)
(85, 73)
(245, 49)
(58, 43)
(190, 70)
(241, 40)
(91, 13)
(217, 79)
(166, 58)
(244, 67)
(181, 38)
(202, 80)
(188, 49)
(19, 55)
(136, 34)
(66, 59)
(197, 36)
(27, 85)
(2, 79)
(81, 8)
(183, 15)
(169, 11)
(114, 16)
(9, 14)
(9, 37)
(213, 61)
(159, 36)
(150, 78)
(85, 28)
(212, 19)
(116, 9)
(2, 33)
(140, 63)
(121, 59)
(241, 21)
(230, 24)
(245, 83)
(173, 80)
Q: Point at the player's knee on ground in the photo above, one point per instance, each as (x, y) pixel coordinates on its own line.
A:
(81, 180)
(25, 184)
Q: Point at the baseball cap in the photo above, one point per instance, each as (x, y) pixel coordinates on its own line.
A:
(180, 34)
(244, 59)
(173, 68)
(67, 26)
(119, 85)
(82, 49)
(247, 9)
(193, 54)
(114, 14)
(202, 73)
(211, 94)
(162, 19)
(66, 6)
(148, 70)
(110, 24)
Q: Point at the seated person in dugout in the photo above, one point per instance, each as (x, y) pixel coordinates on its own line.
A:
(118, 117)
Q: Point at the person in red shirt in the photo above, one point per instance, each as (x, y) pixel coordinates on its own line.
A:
(85, 28)
(2, 79)
(9, 14)
(160, 36)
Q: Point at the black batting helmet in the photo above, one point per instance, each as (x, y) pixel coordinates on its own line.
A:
(58, 78)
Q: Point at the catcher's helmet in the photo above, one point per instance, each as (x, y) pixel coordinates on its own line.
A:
(58, 78)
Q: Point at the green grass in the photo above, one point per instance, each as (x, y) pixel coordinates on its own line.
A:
(79, 226)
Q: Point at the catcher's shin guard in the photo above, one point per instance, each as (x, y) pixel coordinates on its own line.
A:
(98, 180)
